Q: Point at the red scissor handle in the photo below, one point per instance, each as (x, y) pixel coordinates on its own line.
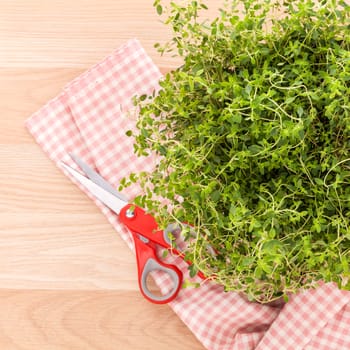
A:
(137, 220)
(147, 261)
(143, 226)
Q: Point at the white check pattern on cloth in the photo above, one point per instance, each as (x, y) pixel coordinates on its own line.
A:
(90, 118)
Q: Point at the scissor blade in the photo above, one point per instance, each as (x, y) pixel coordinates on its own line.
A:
(97, 178)
(109, 199)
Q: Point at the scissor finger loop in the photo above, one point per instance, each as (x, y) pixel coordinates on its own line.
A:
(153, 265)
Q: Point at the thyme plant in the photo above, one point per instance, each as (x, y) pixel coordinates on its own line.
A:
(253, 137)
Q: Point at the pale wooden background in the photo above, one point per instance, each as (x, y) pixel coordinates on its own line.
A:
(67, 280)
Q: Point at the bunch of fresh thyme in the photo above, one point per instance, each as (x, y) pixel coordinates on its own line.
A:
(253, 133)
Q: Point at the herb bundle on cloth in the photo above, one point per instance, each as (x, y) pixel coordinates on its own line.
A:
(87, 117)
(253, 133)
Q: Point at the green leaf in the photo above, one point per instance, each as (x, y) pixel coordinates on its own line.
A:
(192, 270)
(236, 118)
(248, 89)
(266, 268)
(318, 181)
(255, 149)
(272, 245)
(247, 261)
(300, 111)
(215, 196)
(159, 9)
(289, 100)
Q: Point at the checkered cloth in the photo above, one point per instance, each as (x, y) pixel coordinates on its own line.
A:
(90, 118)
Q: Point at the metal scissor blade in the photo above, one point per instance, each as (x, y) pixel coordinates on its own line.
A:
(97, 178)
(109, 199)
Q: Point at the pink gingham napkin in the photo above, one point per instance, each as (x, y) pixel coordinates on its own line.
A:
(90, 118)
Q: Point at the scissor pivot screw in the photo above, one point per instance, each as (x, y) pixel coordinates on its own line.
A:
(130, 213)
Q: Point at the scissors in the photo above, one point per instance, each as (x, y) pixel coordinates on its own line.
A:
(143, 227)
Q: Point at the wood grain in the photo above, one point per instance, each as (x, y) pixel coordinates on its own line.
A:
(65, 33)
(86, 320)
(67, 280)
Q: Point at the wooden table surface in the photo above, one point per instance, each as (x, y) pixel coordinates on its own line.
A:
(67, 280)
